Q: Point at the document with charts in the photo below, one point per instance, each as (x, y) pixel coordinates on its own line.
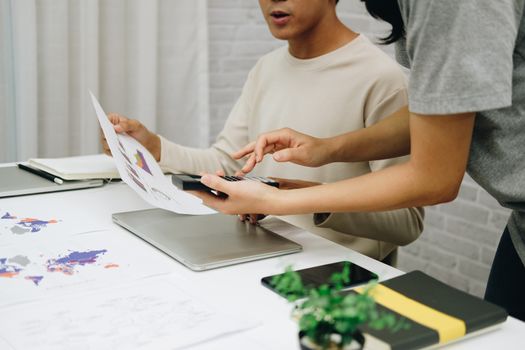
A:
(58, 266)
(154, 313)
(140, 171)
(45, 219)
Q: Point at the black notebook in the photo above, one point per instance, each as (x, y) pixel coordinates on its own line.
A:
(436, 313)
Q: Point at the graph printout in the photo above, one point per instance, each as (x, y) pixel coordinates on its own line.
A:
(152, 313)
(140, 171)
(58, 266)
(29, 220)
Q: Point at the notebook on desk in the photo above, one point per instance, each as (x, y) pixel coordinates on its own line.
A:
(205, 242)
(17, 182)
(95, 166)
(436, 314)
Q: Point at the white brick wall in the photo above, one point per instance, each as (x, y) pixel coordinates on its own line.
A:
(460, 238)
(238, 37)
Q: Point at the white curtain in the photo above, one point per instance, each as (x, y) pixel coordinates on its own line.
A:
(146, 59)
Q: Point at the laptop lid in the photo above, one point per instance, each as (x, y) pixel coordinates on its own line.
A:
(205, 242)
(17, 182)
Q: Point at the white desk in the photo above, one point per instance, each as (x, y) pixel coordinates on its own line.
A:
(236, 289)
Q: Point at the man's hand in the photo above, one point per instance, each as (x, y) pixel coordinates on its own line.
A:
(286, 145)
(135, 129)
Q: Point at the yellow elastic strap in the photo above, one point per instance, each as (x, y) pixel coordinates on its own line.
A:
(448, 327)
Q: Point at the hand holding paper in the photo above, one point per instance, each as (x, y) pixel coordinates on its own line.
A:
(135, 129)
(140, 171)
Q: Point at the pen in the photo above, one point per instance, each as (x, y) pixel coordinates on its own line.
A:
(41, 173)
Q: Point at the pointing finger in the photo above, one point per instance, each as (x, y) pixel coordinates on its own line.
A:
(244, 151)
(249, 165)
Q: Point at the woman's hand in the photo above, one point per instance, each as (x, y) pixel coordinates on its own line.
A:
(284, 184)
(243, 196)
(288, 184)
(286, 145)
(252, 218)
(135, 129)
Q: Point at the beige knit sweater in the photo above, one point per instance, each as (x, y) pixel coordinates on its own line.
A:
(347, 89)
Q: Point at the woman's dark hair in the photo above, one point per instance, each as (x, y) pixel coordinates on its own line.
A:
(388, 11)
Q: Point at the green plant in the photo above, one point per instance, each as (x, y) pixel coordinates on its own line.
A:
(330, 317)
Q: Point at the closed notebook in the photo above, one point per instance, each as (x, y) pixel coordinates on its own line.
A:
(435, 312)
(97, 166)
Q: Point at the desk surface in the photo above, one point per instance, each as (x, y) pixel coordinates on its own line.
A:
(236, 289)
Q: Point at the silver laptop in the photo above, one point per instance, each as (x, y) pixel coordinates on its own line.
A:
(17, 182)
(207, 241)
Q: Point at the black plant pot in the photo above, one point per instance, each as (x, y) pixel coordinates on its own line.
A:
(358, 337)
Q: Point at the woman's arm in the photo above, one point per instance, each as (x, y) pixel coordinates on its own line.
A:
(439, 152)
(387, 138)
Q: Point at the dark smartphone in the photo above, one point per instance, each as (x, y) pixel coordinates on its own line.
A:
(188, 182)
(316, 276)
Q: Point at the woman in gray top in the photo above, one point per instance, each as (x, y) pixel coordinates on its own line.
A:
(466, 112)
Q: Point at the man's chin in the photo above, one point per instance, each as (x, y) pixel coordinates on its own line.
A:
(281, 34)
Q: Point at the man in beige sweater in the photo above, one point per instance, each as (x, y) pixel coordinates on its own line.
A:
(327, 81)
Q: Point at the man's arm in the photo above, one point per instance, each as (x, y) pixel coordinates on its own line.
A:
(178, 158)
(399, 227)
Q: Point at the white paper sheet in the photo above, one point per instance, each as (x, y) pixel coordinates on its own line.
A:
(4, 345)
(58, 267)
(151, 314)
(45, 221)
(140, 171)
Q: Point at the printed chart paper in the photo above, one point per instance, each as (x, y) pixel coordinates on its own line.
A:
(140, 171)
(57, 267)
(20, 226)
(28, 220)
(150, 314)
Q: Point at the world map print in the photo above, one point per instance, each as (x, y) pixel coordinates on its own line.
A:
(68, 264)
(26, 225)
(7, 269)
(14, 266)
